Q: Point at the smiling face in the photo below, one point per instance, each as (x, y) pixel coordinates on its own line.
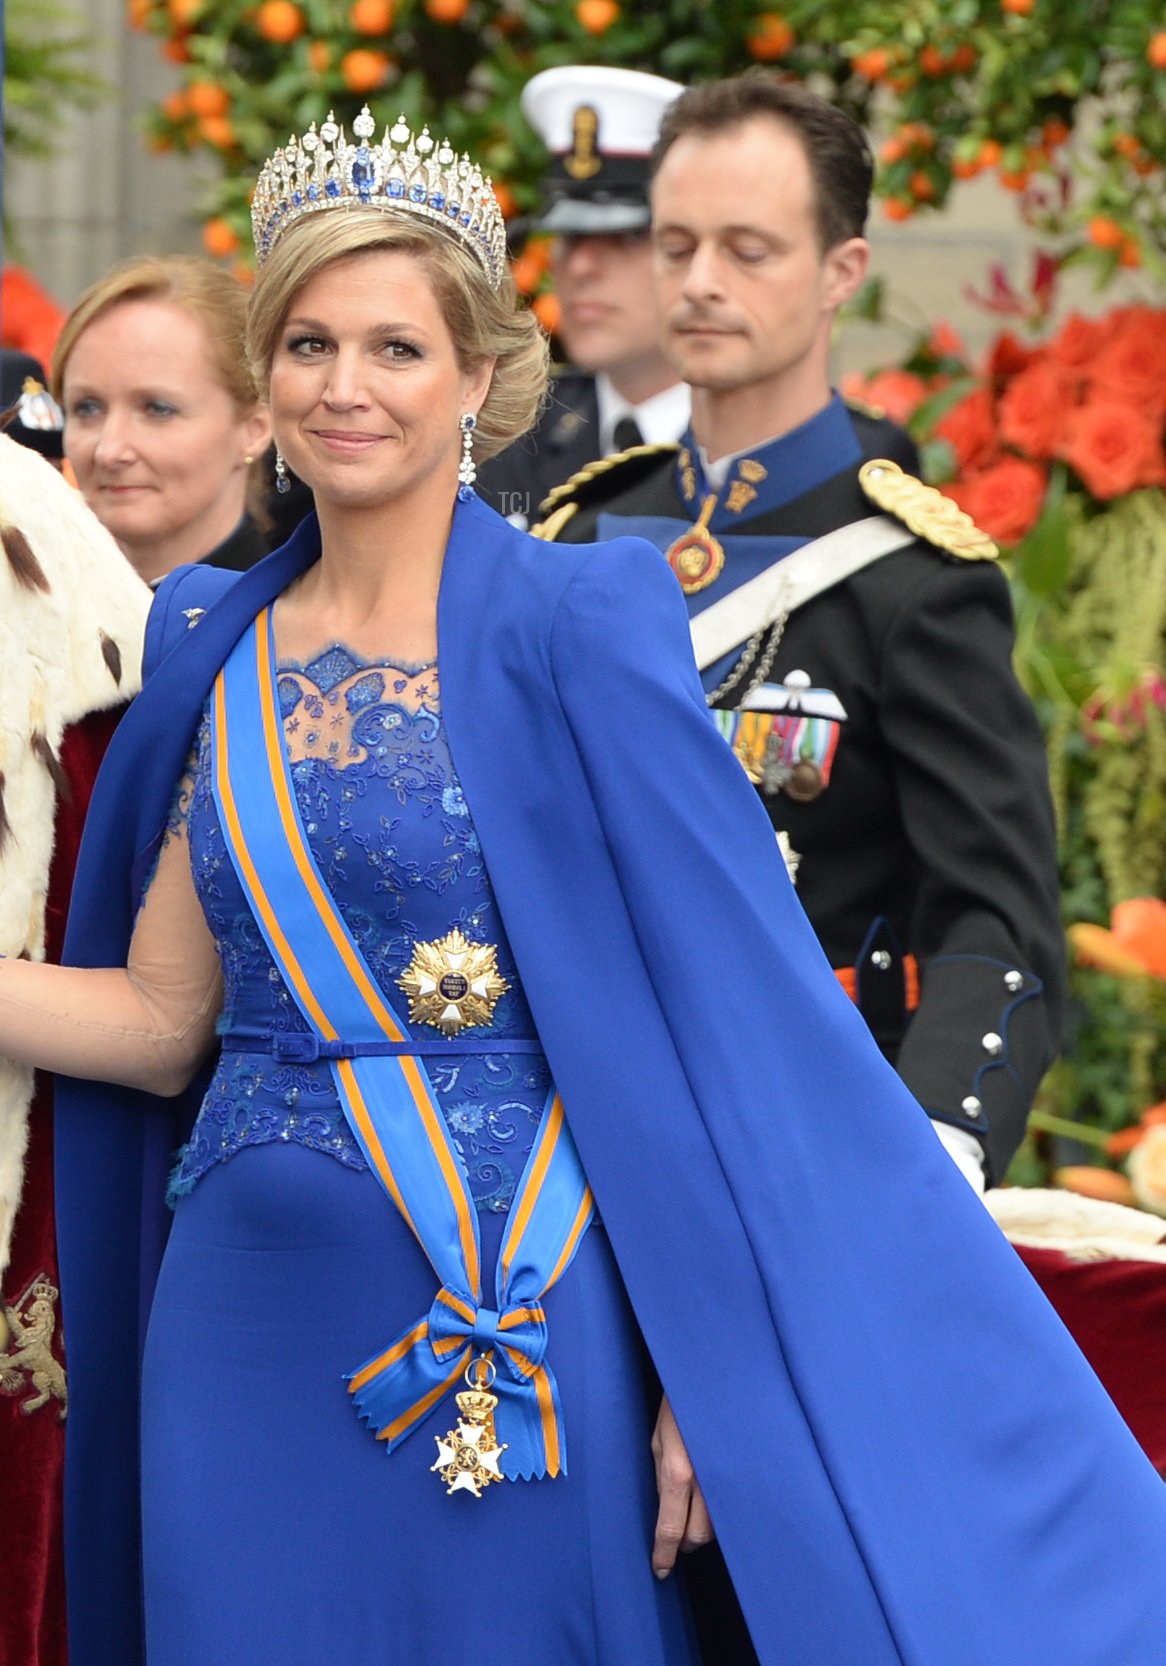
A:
(157, 443)
(747, 294)
(366, 391)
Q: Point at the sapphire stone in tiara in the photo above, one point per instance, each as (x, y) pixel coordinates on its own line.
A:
(406, 173)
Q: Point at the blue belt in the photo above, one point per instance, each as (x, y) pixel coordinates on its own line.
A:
(301, 1047)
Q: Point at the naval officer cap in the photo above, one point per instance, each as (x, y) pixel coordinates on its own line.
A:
(600, 125)
(28, 411)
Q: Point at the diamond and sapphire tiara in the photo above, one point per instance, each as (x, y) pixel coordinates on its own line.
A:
(415, 175)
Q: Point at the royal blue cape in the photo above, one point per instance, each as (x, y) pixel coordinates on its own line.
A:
(907, 1461)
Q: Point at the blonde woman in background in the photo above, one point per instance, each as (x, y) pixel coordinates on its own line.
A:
(163, 428)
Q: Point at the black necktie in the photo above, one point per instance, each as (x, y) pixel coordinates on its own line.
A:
(626, 433)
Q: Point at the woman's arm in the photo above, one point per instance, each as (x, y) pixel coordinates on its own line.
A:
(147, 1025)
(682, 1522)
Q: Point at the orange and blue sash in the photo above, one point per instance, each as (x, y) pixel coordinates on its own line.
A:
(387, 1097)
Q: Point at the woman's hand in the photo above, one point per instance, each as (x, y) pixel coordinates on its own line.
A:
(683, 1521)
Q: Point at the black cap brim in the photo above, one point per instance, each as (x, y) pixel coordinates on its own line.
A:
(589, 217)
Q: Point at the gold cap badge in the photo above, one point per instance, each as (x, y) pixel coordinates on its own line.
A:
(583, 162)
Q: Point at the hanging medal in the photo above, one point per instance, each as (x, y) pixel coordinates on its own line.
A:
(696, 557)
(468, 1457)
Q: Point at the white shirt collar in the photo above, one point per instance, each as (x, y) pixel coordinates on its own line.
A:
(660, 419)
(717, 473)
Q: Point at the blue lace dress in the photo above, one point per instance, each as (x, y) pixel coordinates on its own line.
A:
(277, 1531)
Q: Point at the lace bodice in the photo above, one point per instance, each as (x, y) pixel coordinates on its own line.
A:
(391, 833)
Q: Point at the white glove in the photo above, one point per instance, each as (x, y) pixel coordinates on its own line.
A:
(966, 1153)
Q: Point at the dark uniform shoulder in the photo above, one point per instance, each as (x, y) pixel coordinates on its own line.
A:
(566, 378)
(597, 483)
(880, 437)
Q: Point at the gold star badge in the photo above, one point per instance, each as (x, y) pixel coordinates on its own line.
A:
(452, 983)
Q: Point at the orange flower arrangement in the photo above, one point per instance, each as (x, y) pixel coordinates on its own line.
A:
(1091, 397)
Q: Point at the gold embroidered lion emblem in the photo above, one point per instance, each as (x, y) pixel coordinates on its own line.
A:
(27, 1360)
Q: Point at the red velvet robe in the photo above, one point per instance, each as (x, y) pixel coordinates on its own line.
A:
(32, 1443)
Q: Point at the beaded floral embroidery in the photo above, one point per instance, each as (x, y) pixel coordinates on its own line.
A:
(391, 833)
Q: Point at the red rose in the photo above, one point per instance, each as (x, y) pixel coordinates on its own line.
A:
(1008, 357)
(969, 429)
(1003, 499)
(1131, 366)
(1079, 342)
(1033, 408)
(1113, 448)
(897, 393)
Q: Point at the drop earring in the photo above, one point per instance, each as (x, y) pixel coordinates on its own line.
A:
(282, 482)
(466, 472)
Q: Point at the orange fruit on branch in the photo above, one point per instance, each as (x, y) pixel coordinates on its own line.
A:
(596, 16)
(207, 98)
(1105, 233)
(547, 310)
(216, 131)
(872, 65)
(447, 11)
(918, 135)
(365, 69)
(371, 17)
(526, 272)
(1156, 49)
(1130, 253)
(219, 238)
(771, 37)
(280, 21)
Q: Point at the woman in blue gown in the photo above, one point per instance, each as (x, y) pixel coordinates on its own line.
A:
(526, 1068)
(287, 1266)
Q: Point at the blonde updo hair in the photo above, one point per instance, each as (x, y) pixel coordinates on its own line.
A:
(200, 288)
(483, 323)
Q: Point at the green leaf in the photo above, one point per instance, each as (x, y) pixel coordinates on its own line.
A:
(1042, 559)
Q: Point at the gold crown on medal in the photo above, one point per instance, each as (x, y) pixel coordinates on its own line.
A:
(405, 173)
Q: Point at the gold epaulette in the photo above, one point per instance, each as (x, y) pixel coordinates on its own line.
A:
(929, 514)
(602, 465)
(562, 502)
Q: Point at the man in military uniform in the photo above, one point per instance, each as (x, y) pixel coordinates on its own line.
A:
(600, 125)
(858, 662)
